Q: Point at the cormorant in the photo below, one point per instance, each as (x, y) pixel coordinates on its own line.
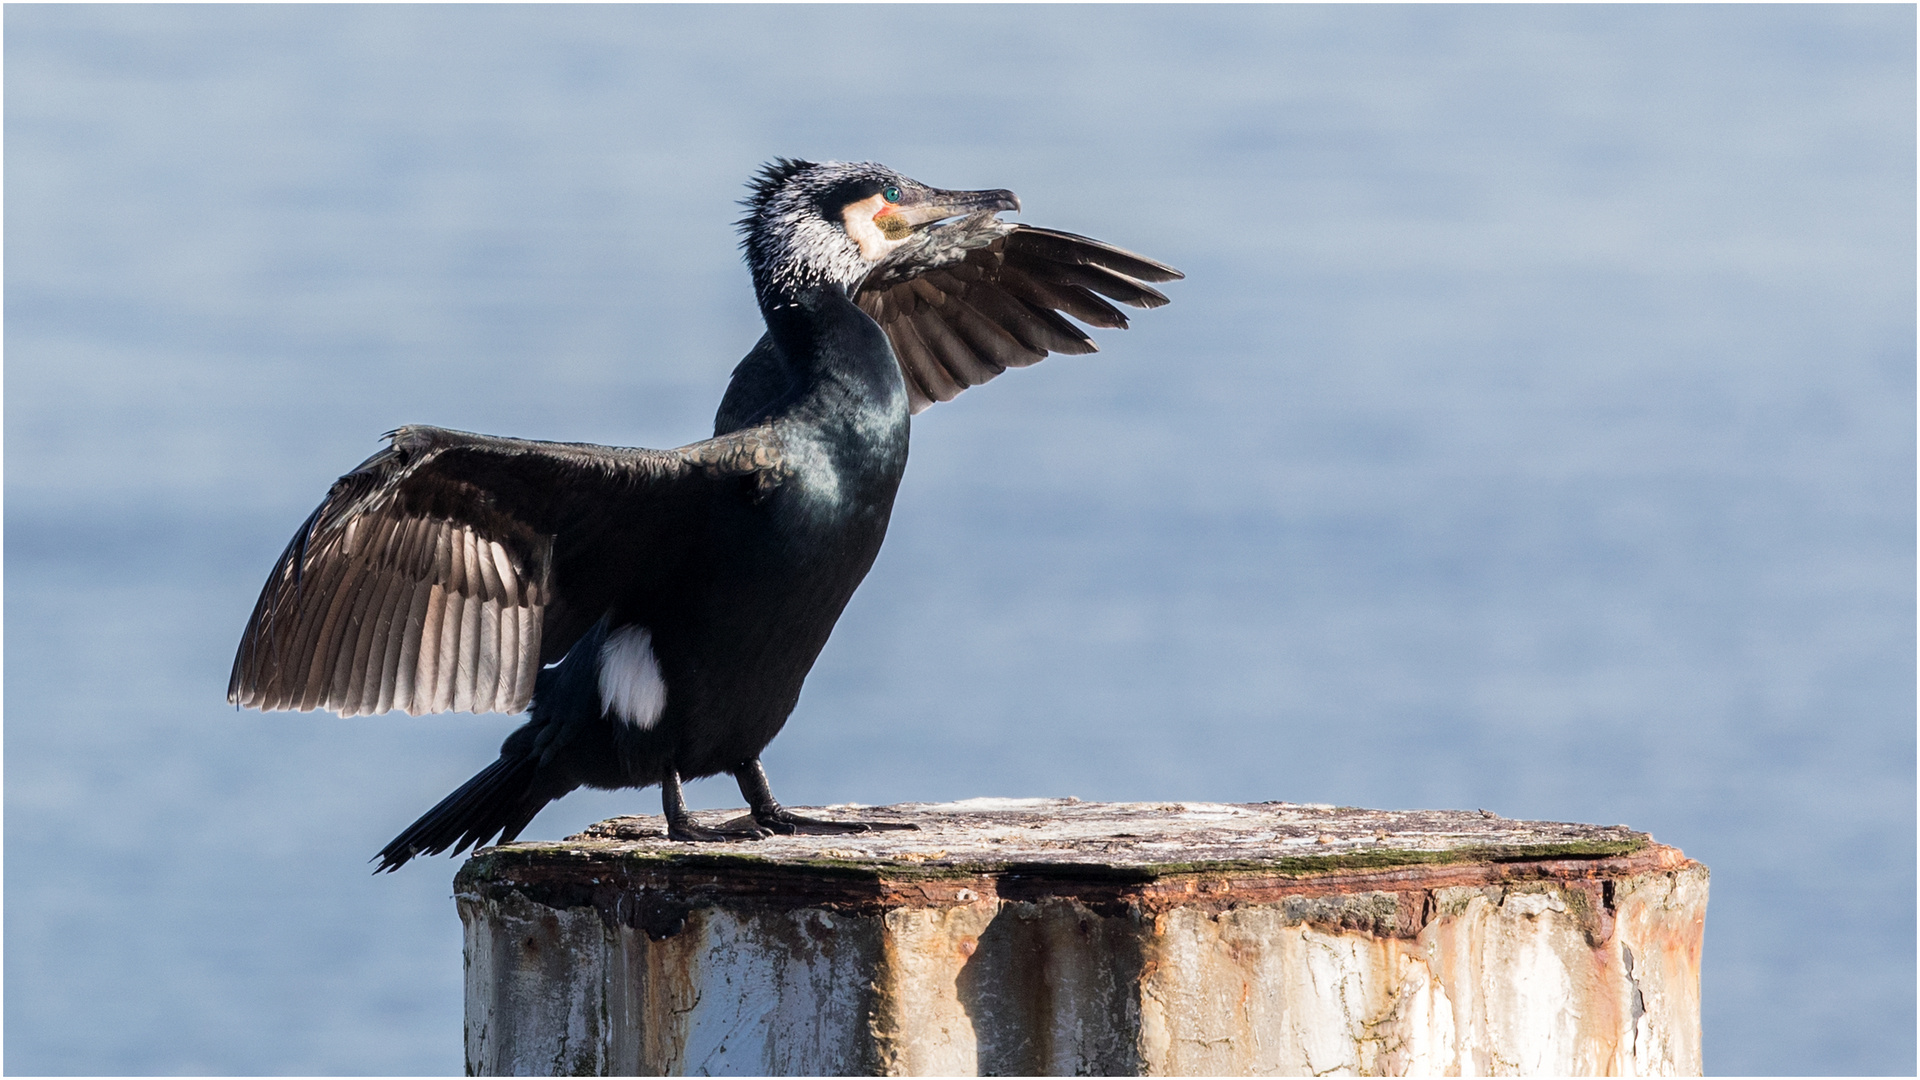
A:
(656, 611)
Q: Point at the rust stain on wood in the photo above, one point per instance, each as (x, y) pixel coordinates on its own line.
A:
(1051, 937)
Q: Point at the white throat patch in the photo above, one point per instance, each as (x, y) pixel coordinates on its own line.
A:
(875, 241)
(630, 684)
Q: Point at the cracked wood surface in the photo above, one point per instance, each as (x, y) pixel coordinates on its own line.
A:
(1050, 936)
(1122, 840)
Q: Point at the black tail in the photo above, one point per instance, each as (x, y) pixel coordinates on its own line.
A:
(566, 720)
(500, 799)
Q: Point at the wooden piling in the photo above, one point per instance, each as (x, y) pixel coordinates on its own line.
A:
(1055, 937)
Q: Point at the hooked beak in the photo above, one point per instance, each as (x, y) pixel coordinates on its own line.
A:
(934, 205)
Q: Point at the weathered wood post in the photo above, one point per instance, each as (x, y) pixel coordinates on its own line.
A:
(1043, 936)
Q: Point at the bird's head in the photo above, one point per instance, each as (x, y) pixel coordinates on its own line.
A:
(813, 223)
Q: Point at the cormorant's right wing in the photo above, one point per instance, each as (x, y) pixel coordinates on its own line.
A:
(440, 574)
(964, 301)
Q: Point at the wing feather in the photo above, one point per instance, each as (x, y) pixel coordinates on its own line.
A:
(466, 653)
(480, 675)
(393, 633)
(504, 572)
(507, 677)
(963, 301)
(362, 626)
(343, 686)
(326, 631)
(372, 676)
(526, 659)
(917, 362)
(428, 580)
(409, 611)
(1065, 247)
(426, 675)
(988, 336)
(956, 359)
(406, 663)
(453, 680)
(1069, 339)
(1056, 295)
(1013, 315)
(1101, 280)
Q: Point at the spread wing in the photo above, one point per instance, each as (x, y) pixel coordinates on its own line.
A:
(440, 574)
(967, 300)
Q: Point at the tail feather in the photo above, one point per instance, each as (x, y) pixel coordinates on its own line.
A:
(499, 800)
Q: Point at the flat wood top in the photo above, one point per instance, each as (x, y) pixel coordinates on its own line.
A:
(1141, 840)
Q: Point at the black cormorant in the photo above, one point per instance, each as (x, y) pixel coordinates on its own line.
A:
(656, 611)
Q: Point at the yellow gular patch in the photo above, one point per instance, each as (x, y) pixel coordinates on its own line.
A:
(876, 237)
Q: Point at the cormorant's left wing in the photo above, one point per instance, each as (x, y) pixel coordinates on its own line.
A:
(444, 571)
(964, 301)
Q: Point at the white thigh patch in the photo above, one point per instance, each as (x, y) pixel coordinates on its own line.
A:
(630, 683)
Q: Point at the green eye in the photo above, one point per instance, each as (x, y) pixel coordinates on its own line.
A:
(892, 194)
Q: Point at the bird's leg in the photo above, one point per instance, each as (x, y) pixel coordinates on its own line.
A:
(769, 814)
(680, 823)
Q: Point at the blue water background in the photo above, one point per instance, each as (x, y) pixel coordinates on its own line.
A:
(1534, 431)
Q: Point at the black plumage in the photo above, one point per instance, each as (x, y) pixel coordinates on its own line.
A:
(656, 611)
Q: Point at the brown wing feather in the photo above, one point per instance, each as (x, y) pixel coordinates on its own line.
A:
(969, 299)
(431, 574)
(934, 373)
(994, 343)
(960, 366)
(1065, 247)
(1047, 299)
(916, 362)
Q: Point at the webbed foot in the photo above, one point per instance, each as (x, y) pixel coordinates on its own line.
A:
(770, 815)
(787, 823)
(682, 827)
